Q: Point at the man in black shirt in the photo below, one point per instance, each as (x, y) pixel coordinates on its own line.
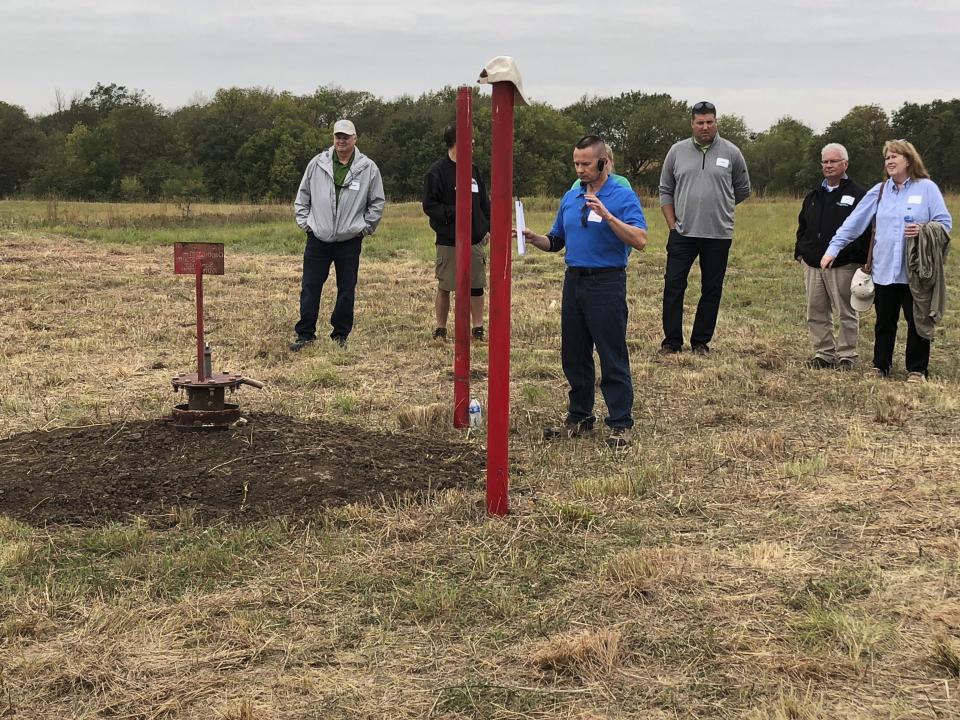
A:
(439, 203)
(828, 291)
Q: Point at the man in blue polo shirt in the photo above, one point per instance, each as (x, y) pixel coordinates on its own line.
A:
(598, 223)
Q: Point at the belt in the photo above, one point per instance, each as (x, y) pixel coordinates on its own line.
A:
(592, 270)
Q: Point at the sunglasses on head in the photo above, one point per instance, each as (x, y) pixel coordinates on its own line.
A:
(704, 108)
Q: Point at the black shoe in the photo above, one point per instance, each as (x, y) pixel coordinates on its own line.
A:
(668, 350)
(478, 334)
(619, 438)
(569, 430)
(440, 334)
(299, 344)
(818, 363)
(701, 350)
(340, 340)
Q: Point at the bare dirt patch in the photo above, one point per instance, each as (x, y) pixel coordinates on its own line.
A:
(274, 466)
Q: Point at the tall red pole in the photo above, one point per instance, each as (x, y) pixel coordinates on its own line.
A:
(464, 235)
(501, 202)
(201, 373)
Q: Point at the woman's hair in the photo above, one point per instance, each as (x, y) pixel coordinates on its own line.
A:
(915, 164)
(609, 151)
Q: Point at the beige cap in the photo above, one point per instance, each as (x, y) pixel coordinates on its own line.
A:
(861, 291)
(344, 126)
(503, 69)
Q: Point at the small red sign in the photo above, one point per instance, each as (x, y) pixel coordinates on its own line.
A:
(185, 257)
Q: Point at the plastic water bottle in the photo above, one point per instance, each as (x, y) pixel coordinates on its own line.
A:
(475, 412)
(908, 219)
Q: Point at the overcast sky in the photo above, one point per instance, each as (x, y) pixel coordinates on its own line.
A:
(811, 59)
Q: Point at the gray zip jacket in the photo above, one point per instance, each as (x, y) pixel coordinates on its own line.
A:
(361, 199)
(704, 187)
(926, 255)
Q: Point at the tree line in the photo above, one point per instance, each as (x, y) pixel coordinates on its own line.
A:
(252, 144)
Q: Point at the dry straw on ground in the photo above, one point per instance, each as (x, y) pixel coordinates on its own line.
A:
(779, 542)
(591, 653)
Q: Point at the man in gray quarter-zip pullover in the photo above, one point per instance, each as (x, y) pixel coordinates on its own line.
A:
(340, 201)
(701, 181)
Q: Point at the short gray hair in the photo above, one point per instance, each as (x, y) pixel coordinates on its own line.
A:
(839, 148)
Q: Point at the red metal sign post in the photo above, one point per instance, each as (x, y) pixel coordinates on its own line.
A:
(501, 203)
(205, 408)
(200, 259)
(464, 230)
(201, 375)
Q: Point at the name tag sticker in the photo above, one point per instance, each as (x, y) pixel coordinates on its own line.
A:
(355, 185)
(474, 187)
(593, 217)
(723, 162)
(846, 200)
(914, 199)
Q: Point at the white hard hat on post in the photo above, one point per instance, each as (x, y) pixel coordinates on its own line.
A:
(503, 69)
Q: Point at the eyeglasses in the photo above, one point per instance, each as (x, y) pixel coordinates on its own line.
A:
(831, 162)
(584, 213)
(704, 108)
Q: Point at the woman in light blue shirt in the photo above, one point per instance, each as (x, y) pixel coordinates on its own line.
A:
(910, 198)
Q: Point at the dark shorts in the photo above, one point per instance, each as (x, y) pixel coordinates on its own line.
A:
(446, 268)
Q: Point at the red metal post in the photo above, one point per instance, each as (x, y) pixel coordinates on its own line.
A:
(201, 374)
(501, 212)
(464, 235)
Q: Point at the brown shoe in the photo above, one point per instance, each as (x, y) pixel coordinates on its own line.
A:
(569, 430)
(916, 377)
(619, 438)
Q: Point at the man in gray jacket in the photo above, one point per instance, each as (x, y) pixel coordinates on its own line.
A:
(340, 201)
(701, 181)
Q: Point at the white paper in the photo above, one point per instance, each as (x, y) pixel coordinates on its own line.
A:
(723, 162)
(914, 199)
(521, 226)
(593, 217)
(847, 200)
(474, 187)
(355, 185)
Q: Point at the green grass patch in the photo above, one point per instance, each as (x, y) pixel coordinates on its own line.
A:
(118, 559)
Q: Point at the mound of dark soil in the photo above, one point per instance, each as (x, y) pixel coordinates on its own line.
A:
(273, 466)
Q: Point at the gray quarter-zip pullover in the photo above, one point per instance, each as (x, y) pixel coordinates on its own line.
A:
(704, 187)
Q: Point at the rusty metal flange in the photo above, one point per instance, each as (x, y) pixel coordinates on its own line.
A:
(187, 419)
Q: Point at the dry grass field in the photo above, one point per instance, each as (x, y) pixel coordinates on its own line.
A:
(779, 542)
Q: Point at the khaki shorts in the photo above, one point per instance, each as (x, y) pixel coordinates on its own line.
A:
(447, 267)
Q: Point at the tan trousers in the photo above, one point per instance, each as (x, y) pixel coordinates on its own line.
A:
(828, 292)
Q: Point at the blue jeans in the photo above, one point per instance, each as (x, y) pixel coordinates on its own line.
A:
(594, 314)
(681, 252)
(317, 258)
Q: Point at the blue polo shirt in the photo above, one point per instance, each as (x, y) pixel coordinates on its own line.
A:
(596, 245)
